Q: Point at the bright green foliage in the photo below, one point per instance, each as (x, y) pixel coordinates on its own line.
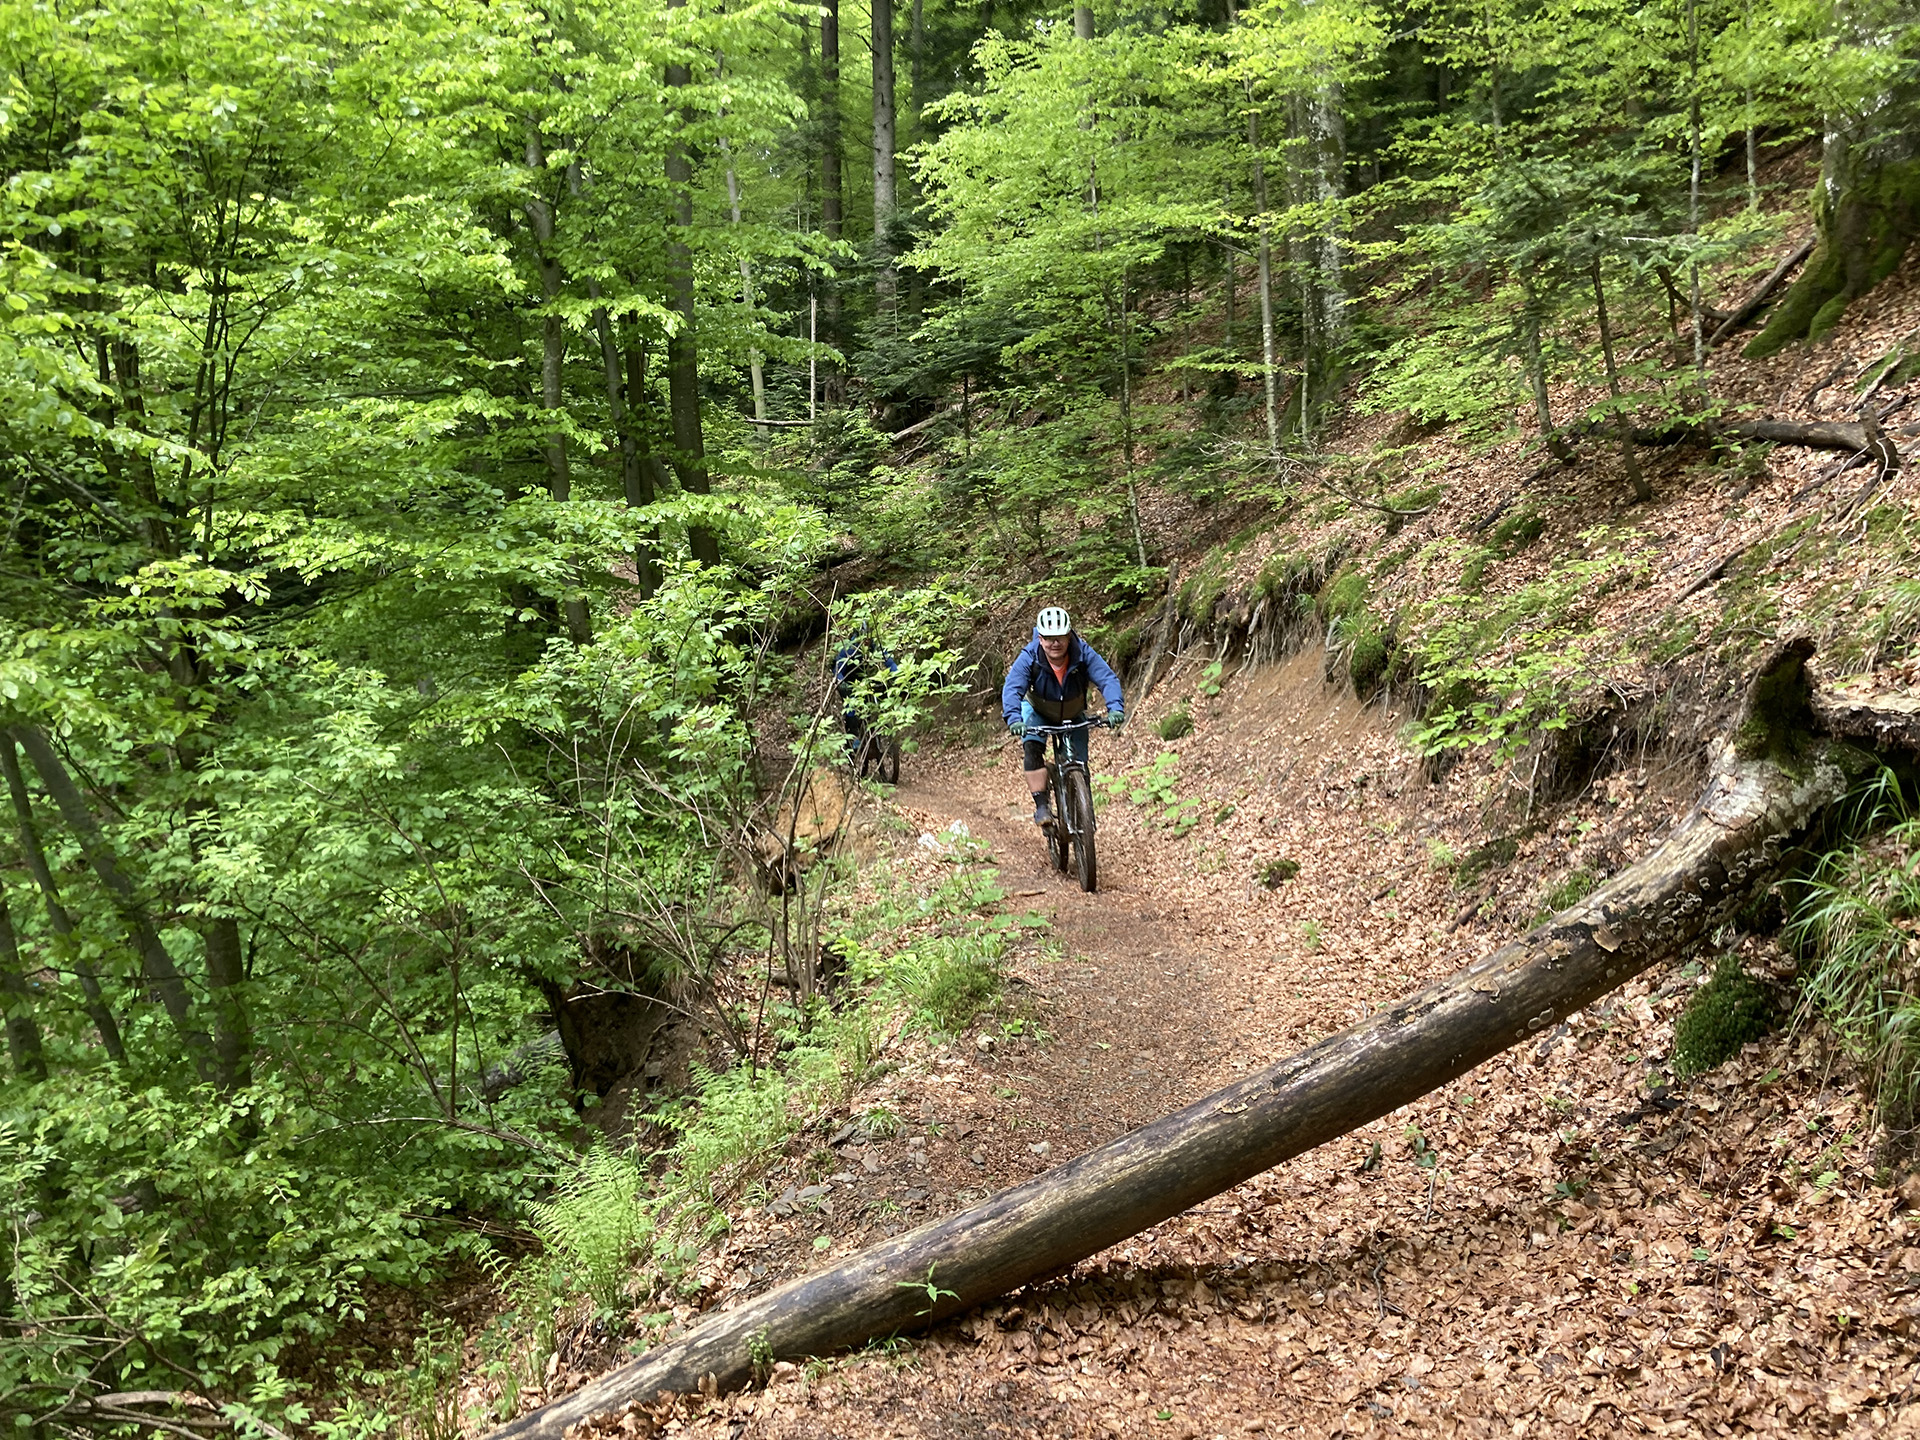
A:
(1851, 918)
(597, 1223)
(1501, 673)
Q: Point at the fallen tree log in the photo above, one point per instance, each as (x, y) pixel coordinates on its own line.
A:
(1768, 785)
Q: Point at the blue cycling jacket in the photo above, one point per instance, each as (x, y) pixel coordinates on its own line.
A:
(1032, 679)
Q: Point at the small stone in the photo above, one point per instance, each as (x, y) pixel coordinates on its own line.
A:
(870, 1162)
(917, 1142)
(841, 1177)
(810, 1193)
(978, 1157)
(1043, 1149)
(984, 1044)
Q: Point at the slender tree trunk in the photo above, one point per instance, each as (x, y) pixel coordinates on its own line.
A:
(67, 948)
(755, 370)
(916, 116)
(162, 976)
(1269, 360)
(1320, 180)
(886, 277)
(832, 182)
(1693, 188)
(636, 481)
(553, 352)
(1642, 491)
(683, 352)
(1126, 420)
(226, 981)
(16, 1001)
(1083, 22)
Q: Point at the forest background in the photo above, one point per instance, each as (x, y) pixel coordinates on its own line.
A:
(424, 423)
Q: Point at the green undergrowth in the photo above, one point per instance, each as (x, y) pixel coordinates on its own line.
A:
(1155, 788)
(1502, 671)
(622, 1232)
(1851, 918)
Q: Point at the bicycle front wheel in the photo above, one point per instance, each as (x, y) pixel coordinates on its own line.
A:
(887, 766)
(1057, 851)
(1080, 811)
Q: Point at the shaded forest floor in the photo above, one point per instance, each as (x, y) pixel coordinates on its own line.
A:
(1548, 1246)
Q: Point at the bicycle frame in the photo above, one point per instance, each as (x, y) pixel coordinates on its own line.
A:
(1062, 760)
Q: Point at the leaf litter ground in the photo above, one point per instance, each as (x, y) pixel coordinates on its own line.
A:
(1552, 1245)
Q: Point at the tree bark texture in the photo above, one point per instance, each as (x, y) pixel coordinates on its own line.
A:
(832, 183)
(1763, 793)
(553, 354)
(683, 353)
(16, 1002)
(163, 977)
(1642, 491)
(886, 278)
(67, 949)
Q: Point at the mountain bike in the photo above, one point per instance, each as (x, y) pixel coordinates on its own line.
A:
(1070, 786)
(878, 752)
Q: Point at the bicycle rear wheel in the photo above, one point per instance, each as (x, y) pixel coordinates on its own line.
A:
(1080, 809)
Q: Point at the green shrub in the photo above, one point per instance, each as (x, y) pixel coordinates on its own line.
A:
(1282, 575)
(1175, 726)
(1850, 922)
(1728, 1011)
(1473, 573)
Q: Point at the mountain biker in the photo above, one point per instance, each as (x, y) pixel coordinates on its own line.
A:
(1048, 682)
(853, 662)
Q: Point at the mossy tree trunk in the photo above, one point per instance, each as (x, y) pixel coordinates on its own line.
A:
(1866, 205)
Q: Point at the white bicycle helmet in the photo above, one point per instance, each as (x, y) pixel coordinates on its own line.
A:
(1053, 621)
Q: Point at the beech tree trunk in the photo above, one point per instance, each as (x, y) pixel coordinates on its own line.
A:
(1630, 462)
(886, 278)
(553, 353)
(832, 182)
(1763, 793)
(67, 950)
(163, 977)
(16, 1002)
(683, 352)
(1268, 357)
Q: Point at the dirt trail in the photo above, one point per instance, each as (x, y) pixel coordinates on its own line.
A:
(1538, 1249)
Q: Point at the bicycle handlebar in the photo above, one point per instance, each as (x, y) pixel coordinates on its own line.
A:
(1104, 722)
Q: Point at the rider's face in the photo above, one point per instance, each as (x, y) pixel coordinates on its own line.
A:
(1054, 645)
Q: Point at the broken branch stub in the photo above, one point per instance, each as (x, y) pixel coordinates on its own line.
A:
(1753, 808)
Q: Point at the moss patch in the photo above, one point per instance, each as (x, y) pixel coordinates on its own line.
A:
(1727, 1012)
(1276, 873)
(1342, 596)
(1367, 662)
(1175, 726)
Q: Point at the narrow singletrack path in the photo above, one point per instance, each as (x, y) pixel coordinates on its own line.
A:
(1518, 1254)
